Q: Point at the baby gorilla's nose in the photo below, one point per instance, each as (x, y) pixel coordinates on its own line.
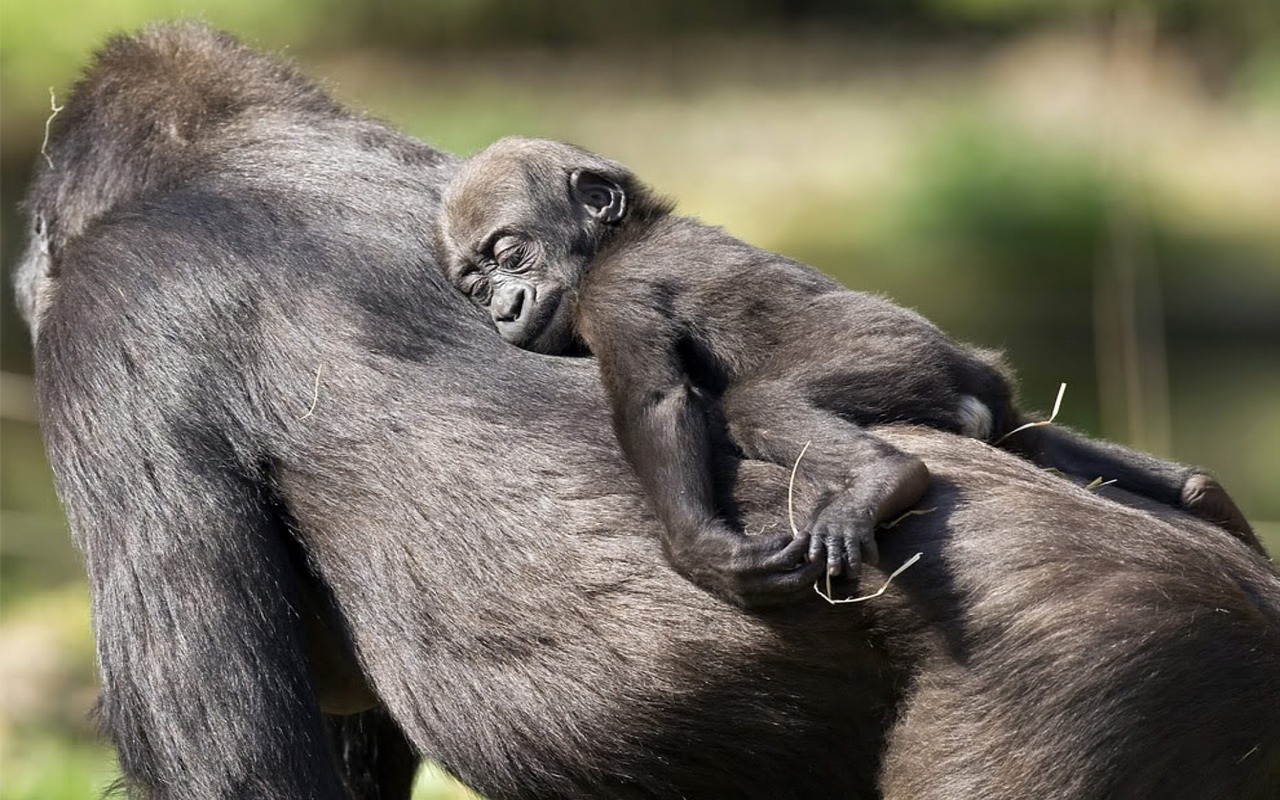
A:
(509, 302)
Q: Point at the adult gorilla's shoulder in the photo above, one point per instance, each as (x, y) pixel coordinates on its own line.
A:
(306, 477)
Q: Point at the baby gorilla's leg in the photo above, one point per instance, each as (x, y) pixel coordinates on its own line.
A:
(1173, 484)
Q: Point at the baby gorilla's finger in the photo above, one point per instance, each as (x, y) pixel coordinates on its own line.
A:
(817, 547)
(870, 550)
(790, 555)
(794, 582)
(852, 544)
(784, 573)
(835, 553)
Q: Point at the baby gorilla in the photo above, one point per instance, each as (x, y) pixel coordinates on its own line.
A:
(566, 249)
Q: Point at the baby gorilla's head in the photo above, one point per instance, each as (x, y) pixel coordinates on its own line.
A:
(522, 221)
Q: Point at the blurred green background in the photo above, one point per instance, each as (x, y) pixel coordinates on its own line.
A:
(1093, 187)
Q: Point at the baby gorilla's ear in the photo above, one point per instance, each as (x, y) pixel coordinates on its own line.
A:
(603, 198)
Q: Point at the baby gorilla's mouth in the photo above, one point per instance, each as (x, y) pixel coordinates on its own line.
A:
(522, 317)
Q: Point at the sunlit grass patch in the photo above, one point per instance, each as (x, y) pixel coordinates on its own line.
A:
(435, 784)
(53, 768)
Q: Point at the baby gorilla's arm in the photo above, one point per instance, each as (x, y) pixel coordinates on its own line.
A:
(663, 428)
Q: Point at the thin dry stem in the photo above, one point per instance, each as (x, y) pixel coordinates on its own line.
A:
(791, 489)
(1057, 404)
(874, 594)
(915, 512)
(315, 394)
(1098, 483)
(44, 145)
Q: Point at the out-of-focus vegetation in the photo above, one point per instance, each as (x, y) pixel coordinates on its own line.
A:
(1095, 189)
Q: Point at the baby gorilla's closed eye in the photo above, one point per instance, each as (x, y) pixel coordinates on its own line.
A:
(511, 254)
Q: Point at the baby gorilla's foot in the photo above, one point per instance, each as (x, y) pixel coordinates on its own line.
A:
(843, 534)
(1205, 498)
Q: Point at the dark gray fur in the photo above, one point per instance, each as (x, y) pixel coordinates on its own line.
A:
(448, 519)
(567, 251)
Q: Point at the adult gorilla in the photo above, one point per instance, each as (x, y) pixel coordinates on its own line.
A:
(281, 439)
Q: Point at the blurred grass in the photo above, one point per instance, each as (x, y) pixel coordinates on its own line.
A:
(975, 177)
(48, 750)
(54, 768)
(46, 42)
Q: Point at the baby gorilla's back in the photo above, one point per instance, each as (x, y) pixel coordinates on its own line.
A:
(874, 362)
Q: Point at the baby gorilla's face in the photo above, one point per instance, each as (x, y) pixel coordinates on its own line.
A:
(520, 230)
(530, 301)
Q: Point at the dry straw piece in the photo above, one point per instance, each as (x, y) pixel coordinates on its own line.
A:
(1057, 404)
(883, 587)
(44, 145)
(791, 489)
(315, 394)
(915, 512)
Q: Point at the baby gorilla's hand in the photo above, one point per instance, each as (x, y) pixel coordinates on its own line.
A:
(843, 534)
(748, 571)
